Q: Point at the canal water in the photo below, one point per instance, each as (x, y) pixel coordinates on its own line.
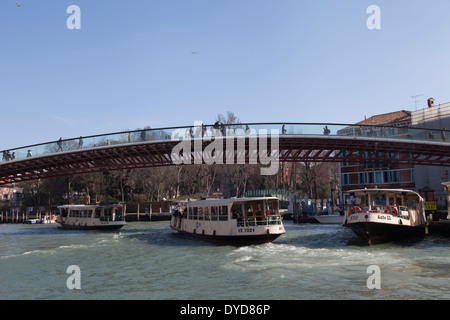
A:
(148, 260)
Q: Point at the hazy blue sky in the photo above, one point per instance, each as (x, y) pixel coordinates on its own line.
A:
(168, 63)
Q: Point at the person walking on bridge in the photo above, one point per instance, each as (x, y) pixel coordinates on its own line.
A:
(59, 143)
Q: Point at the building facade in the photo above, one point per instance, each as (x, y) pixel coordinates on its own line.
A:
(430, 179)
(11, 196)
(355, 175)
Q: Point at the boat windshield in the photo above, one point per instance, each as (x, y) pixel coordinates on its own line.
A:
(63, 212)
(387, 203)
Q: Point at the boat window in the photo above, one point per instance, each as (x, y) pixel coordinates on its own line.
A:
(98, 213)
(412, 203)
(118, 214)
(194, 213)
(360, 201)
(272, 207)
(223, 213)
(200, 213)
(236, 211)
(190, 213)
(206, 212)
(259, 209)
(87, 213)
(214, 213)
(378, 200)
(63, 212)
(249, 212)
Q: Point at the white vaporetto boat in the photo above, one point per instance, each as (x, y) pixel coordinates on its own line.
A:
(107, 216)
(335, 218)
(237, 220)
(383, 215)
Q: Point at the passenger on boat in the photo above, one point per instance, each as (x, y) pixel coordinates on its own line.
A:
(236, 215)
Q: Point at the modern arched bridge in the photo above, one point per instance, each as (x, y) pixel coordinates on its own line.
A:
(233, 143)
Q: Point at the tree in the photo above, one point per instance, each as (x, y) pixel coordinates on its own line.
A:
(229, 119)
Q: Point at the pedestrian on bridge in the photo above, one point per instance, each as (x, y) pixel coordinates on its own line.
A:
(59, 143)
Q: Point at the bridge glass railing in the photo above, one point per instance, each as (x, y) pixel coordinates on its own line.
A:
(210, 131)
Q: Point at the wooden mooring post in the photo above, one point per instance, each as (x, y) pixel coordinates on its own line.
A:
(138, 212)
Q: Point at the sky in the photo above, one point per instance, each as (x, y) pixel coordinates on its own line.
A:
(169, 63)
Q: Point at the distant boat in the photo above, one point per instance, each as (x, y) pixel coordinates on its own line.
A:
(330, 218)
(237, 220)
(107, 216)
(384, 215)
(48, 219)
(32, 221)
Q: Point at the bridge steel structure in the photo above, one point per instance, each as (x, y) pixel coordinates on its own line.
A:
(290, 142)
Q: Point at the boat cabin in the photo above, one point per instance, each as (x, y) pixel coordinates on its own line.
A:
(101, 212)
(246, 212)
(102, 216)
(399, 203)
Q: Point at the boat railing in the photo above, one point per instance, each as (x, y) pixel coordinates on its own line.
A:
(398, 210)
(263, 221)
(111, 218)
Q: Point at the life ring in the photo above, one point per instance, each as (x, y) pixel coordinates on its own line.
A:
(392, 210)
(353, 209)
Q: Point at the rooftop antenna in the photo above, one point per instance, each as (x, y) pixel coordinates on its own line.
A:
(415, 99)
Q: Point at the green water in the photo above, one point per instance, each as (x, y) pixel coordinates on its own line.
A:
(148, 260)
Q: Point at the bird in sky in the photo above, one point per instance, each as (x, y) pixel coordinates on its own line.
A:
(18, 4)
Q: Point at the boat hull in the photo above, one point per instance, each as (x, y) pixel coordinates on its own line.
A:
(32, 221)
(330, 219)
(375, 233)
(233, 239)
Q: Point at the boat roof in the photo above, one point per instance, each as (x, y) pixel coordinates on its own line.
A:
(228, 200)
(377, 190)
